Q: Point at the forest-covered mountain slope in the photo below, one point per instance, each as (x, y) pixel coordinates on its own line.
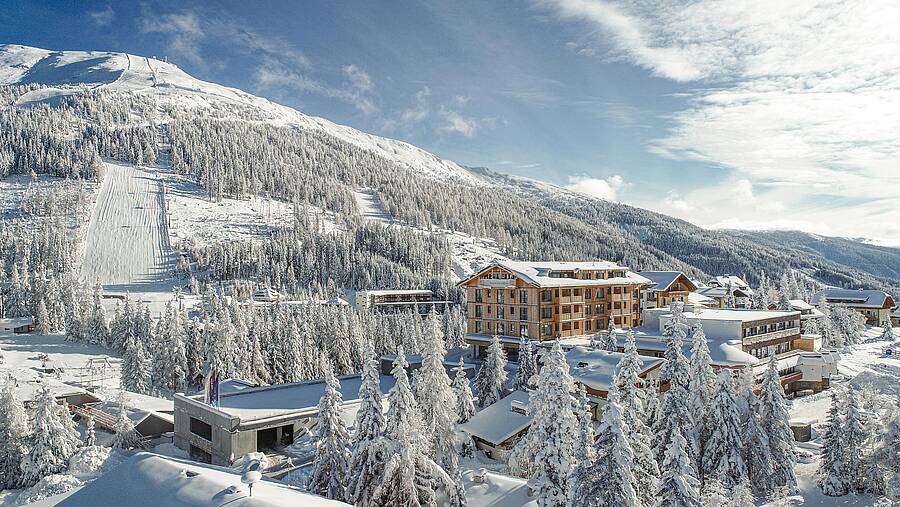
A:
(61, 111)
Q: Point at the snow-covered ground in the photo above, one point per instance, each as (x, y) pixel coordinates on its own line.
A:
(127, 248)
(467, 253)
(193, 217)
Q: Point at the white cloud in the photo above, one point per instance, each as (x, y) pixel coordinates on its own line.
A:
(359, 79)
(184, 32)
(799, 98)
(606, 189)
(103, 17)
(454, 121)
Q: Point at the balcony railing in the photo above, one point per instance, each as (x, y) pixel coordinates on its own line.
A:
(774, 335)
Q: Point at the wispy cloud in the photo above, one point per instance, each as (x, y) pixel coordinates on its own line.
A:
(102, 17)
(790, 96)
(184, 32)
(455, 121)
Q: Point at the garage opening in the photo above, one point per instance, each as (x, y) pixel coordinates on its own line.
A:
(266, 439)
(287, 434)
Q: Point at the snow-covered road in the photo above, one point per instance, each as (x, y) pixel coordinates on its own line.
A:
(127, 246)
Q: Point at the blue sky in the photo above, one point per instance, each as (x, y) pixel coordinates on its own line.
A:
(693, 110)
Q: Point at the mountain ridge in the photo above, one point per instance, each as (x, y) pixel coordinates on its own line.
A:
(554, 221)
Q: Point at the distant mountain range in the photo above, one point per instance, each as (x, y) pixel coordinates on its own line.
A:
(527, 218)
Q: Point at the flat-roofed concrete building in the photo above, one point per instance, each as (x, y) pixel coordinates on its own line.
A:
(254, 419)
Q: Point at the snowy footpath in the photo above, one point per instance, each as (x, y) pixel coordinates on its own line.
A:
(127, 246)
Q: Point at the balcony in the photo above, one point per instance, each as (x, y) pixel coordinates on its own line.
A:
(498, 283)
(774, 335)
(565, 300)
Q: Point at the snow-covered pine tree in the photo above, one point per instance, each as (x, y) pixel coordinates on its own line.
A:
(832, 475)
(329, 475)
(607, 479)
(98, 328)
(861, 466)
(409, 477)
(887, 448)
(527, 365)
(126, 436)
(90, 436)
(784, 302)
(437, 401)
(462, 388)
(678, 486)
(553, 428)
(367, 450)
(722, 461)
(756, 450)
(42, 319)
(492, 375)
(888, 333)
(631, 398)
(49, 446)
(701, 389)
(774, 419)
(584, 442)
(609, 337)
(70, 429)
(674, 411)
(13, 435)
(135, 373)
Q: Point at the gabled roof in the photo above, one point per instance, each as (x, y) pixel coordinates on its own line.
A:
(498, 422)
(725, 280)
(854, 298)
(663, 280)
(721, 292)
(537, 273)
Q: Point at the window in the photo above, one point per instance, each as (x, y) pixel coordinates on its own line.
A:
(566, 292)
(523, 313)
(546, 313)
(567, 326)
(617, 290)
(478, 310)
(523, 297)
(576, 308)
(567, 309)
(479, 296)
(478, 329)
(500, 313)
(576, 292)
(587, 309)
(523, 330)
(546, 296)
(587, 325)
(501, 329)
(201, 429)
(512, 294)
(545, 329)
(500, 296)
(587, 293)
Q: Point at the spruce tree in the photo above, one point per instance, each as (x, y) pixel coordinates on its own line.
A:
(135, 375)
(13, 435)
(527, 365)
(367, 449)
(722, 460)
(50, 445)
(584, 442)
(701, 389)
(90, 437)
(888, 333)
(678, 486)
(757, 452)
(329, 475)
(674, 410)
(462, 388)
(492, 375)
(436, 399)
(553, 428)
(126, 436)
(607, 480)
(832, 476)
(774, 419)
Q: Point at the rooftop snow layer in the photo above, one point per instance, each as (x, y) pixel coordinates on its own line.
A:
(498, 422)
(855, 298)
(538, 273)
(597, 368)
(662, 280)
(151, 480)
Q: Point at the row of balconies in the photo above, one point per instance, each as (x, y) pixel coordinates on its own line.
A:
(774, 335)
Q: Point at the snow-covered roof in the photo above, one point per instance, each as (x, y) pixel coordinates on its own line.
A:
(662, 280)
(695, 298)
(496, 491)
(538, 273)
(499, 422)
(597, 368)
(28, 389)
(722, 351)
(801, 305)
(721, 292)
(725, 280)
(392, 292)
(263, 402)
(741, 315)
(151, 480)
(853, 298)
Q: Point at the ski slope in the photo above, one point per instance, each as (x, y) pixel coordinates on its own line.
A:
(127, 246)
